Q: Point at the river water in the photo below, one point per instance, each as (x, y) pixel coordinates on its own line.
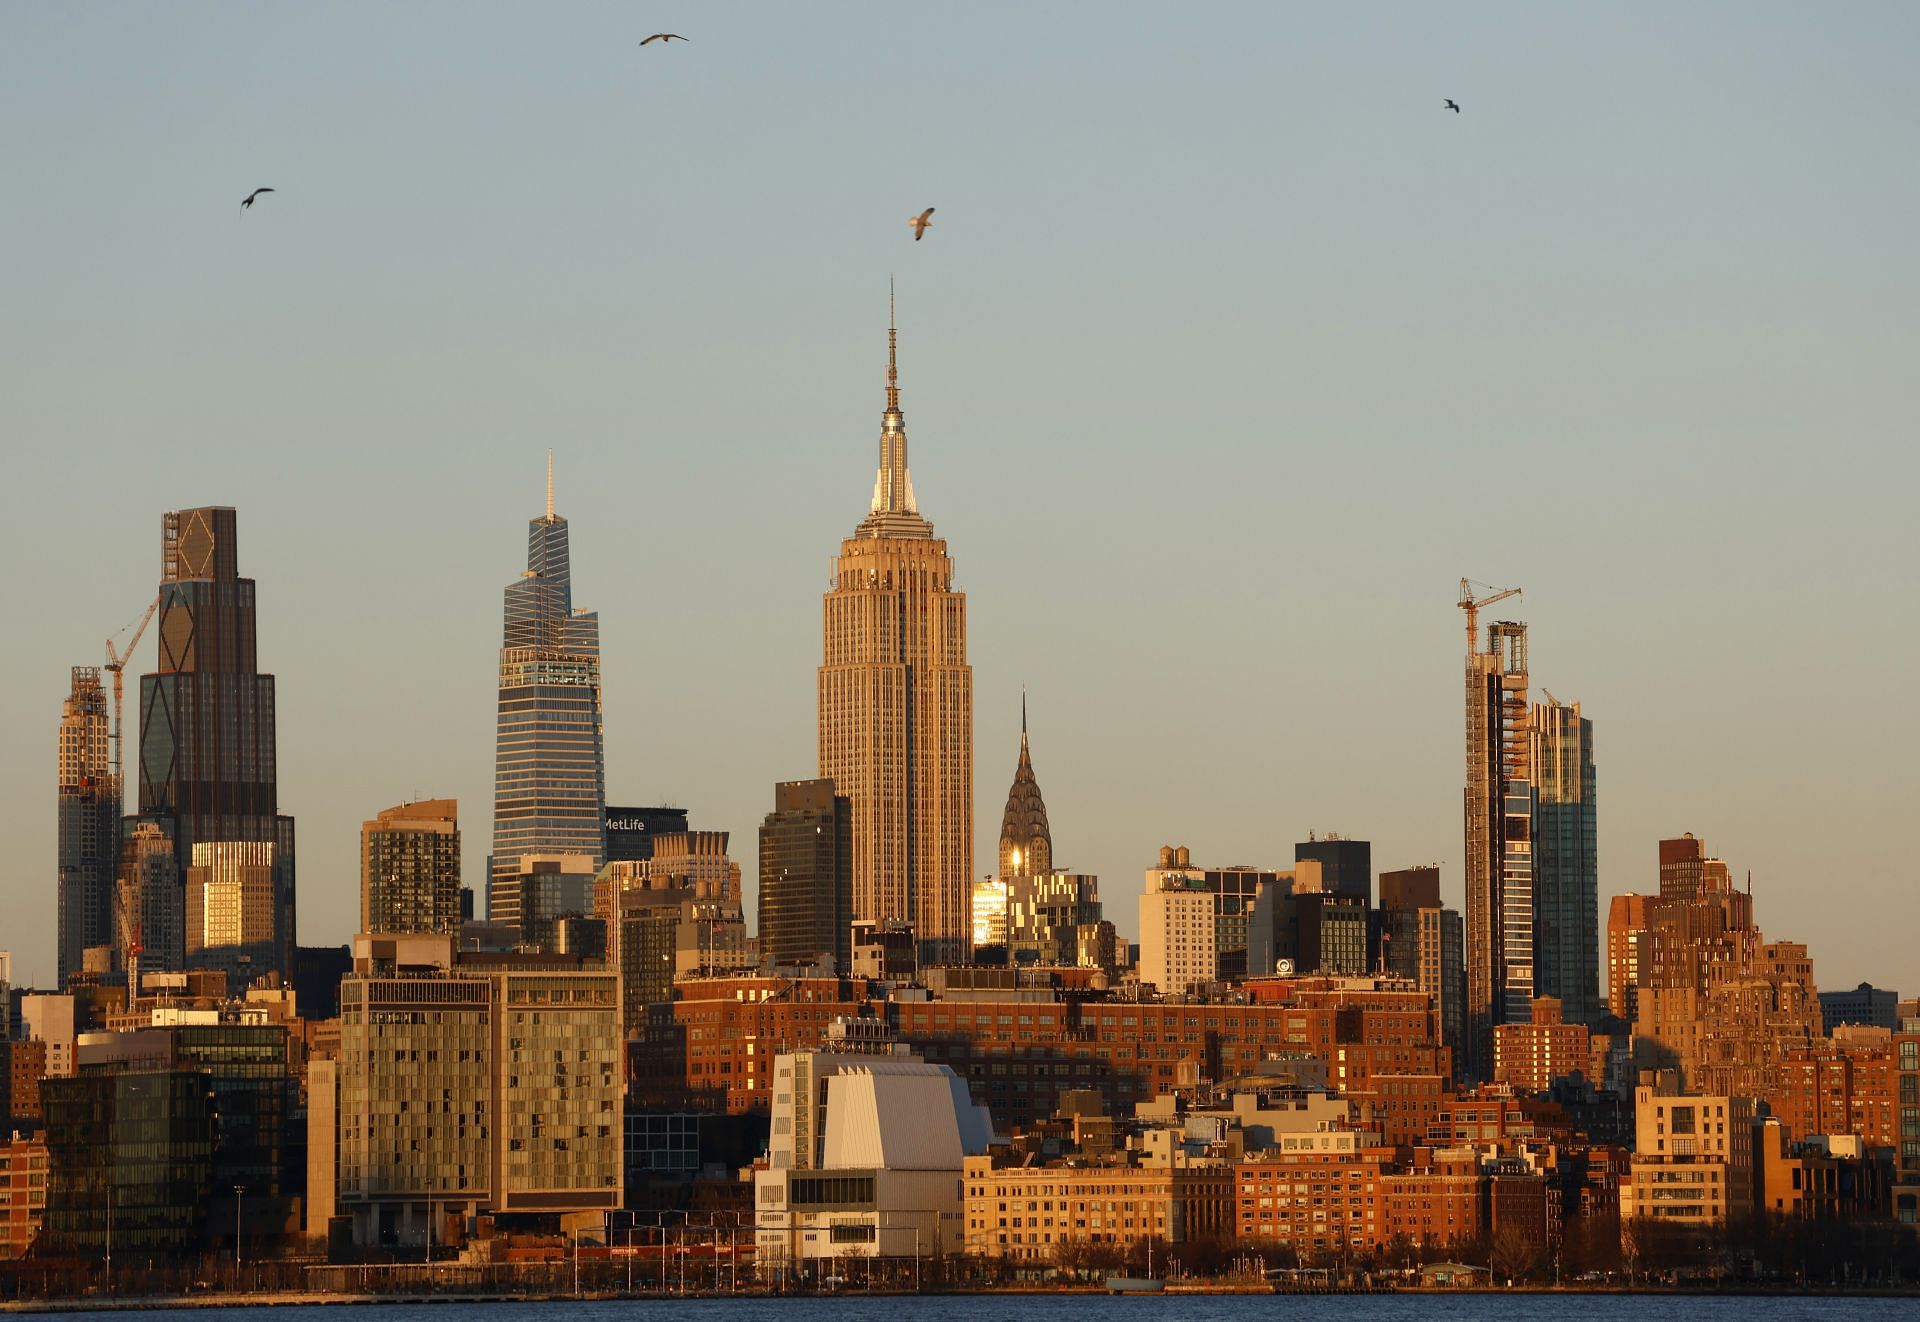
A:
(1525, 1307)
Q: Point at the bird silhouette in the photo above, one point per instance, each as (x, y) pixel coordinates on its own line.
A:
(921, 224)
(663, 36)
(247, 201)
(1453, 105)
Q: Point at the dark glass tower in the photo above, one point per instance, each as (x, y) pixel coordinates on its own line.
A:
(549, 776)
(806, 876)
(1566, 860)
(207, 752)
(1346, 866)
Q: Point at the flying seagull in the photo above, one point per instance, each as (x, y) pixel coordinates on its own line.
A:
(921, 224)
(248, 200)
(663, 36)
(1453, 105)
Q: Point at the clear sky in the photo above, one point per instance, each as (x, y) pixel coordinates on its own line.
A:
(1229, 353)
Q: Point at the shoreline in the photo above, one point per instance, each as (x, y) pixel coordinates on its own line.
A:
(95, 1304)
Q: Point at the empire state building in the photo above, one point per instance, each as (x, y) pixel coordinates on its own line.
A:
(896, 708)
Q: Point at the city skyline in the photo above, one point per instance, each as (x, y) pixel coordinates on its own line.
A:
(1102, 575)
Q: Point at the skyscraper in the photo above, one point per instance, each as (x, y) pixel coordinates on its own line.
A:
(1026, 842)
(89, 822)
(410, 868)
(896, 708)
(1566, 861)
(549, 771)
(1346, 866)
(207, 734)
(806, 876)
(150, 915)
(1499, 842)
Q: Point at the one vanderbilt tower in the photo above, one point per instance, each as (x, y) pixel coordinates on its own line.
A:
(896, 708)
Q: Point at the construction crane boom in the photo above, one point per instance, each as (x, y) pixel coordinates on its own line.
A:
(117, 662)
(1472, 604)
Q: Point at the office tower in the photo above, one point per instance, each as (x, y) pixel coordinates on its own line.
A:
(806, 876)
(1026, 843)
(1681, 863)
(410, 868)
(229, 899)
(896, 708)
(1346, 866)
(89, 822)
(1411, 888)
(990, 899)
(549, 769)
(1566, 947)
(631, 832)
(544, 889)
(151, 910)
(1499, 842)
(207, 740)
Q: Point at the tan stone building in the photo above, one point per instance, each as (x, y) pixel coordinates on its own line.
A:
(1693, 1157)
(896, 709)
(1026, 1213)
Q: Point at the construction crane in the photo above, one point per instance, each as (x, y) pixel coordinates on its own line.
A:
(1468, 603)
(117, 662)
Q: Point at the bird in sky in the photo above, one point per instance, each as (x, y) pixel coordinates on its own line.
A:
(663, 36)
(248, 200)
(921, 224)
(1453, 105)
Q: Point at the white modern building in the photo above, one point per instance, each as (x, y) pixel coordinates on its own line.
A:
(864, 1159)
(1177, 933)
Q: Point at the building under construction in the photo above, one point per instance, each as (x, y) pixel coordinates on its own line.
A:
(89, 848)
(1499, 831)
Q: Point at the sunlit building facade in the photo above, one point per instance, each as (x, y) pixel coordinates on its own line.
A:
(896, 709)
(89, 822)
(550, 790)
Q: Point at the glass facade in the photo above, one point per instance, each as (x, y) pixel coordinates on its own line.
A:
(549, 759)
(806, 876)
(207, 724)
(1566, 861)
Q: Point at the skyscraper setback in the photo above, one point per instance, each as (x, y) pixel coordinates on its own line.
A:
(207, 738)
(1499, 841)
(896, 707)
(89, 822)
(549, 794)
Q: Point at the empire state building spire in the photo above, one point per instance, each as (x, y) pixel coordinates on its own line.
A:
(893, 512)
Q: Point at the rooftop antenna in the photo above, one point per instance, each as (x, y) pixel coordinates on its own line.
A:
(549, 485)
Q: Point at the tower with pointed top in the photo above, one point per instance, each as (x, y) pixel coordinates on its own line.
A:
(1026, 843)
(549, 793)
(896, 707)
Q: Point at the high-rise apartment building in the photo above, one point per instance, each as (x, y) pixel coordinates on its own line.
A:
(542, 891)
(208, 756)
(410, 868)
(806, 877)
(1499, 841)
(549, 770)
(229, 898)
(1177, 933)
(1424, 942)
(1566, 861)
(89, 822)
(896, 708)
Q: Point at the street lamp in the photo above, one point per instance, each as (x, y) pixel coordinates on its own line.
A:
(238, 1189)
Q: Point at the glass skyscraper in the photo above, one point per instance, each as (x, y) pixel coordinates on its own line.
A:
(549, 778)
(1566, 860)
(207, 731)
